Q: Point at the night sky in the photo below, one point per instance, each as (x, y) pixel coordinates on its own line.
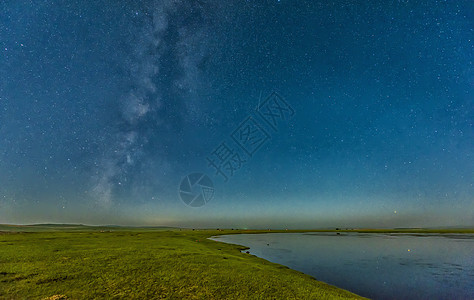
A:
(106, 106)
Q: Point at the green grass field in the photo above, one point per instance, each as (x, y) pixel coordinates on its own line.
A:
(117, 263)
(83, 262)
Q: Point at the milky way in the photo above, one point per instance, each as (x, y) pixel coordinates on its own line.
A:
(164, 79)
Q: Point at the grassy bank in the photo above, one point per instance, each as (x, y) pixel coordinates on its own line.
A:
(118, 263)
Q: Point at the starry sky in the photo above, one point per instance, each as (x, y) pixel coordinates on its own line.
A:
(106, 106)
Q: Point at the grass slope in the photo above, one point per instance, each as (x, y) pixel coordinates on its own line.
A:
(144, 264)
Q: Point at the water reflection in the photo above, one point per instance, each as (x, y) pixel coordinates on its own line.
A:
(379, 266)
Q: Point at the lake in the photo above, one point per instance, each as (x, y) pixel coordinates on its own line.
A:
(377, 266)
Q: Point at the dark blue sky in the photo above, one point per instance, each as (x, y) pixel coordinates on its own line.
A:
(105, 108)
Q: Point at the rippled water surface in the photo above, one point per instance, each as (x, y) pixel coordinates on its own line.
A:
(378, 266)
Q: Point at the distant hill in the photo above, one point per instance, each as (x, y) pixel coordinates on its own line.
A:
(74, 227)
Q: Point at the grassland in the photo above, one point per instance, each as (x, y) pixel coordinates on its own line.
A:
(148, 263)
(83, 262)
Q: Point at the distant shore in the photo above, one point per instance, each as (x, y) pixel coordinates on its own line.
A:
(82, 227)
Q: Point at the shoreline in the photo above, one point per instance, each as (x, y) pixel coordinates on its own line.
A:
(258, 247)
(146, 264)
(40, 260)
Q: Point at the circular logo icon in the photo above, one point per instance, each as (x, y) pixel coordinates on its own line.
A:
(196, 189)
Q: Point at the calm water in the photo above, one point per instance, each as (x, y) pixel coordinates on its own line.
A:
(378, 266)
